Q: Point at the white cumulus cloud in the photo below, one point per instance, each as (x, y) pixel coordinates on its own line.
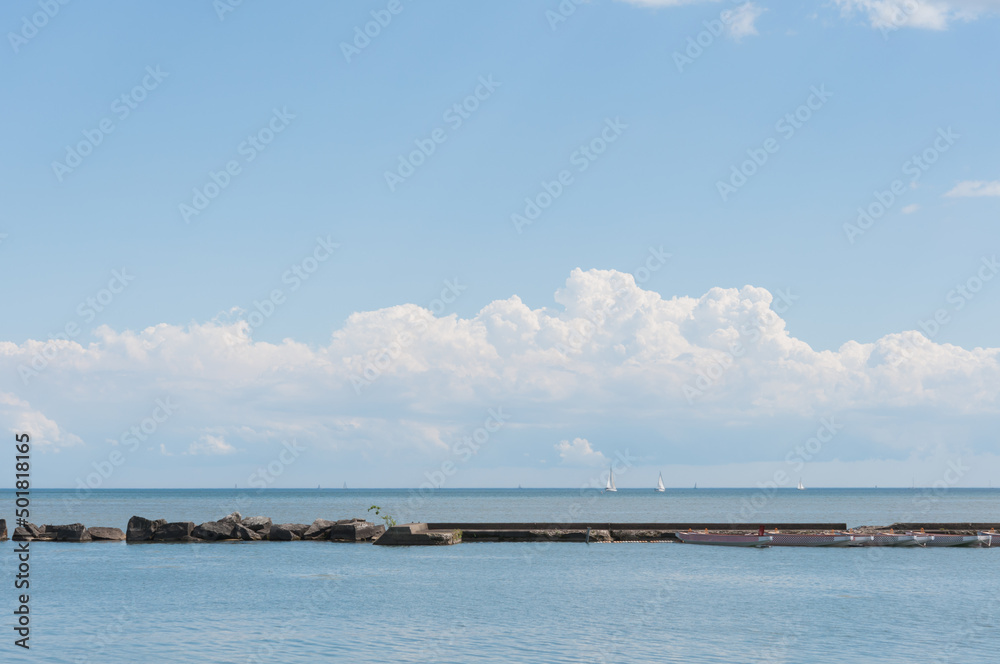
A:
(887, 15)
(44, 433)
(740, 22)
(209, 444)
(975, 188)
(580, 453)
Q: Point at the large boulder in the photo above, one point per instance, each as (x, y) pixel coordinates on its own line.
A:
(320, 529)
(28, 532)
(47, 533)
(246, 534)
(177, 531)
(3, 530)
(235, 519)
(140, 529)
(286, 532)
(74, 532)
(213, 531)
(262, 524)
(102, 534)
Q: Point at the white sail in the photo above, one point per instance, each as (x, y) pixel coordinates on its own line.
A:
(611, 481)
(659, 483)
(801, 488)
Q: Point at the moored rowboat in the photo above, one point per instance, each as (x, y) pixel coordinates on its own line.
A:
(940, 539)
(892, 539)
(724, 540)
(991, 538)
(810, 540)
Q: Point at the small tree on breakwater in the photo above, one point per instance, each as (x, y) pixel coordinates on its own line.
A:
(389, 521)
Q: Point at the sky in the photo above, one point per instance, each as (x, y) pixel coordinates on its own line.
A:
(454, 244)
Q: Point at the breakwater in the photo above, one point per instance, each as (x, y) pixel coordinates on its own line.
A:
(234, 527)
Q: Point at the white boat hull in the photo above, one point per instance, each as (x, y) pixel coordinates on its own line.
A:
(989, 539)
(886, 539)
(957, 540)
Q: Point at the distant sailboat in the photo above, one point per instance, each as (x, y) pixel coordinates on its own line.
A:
(611, 481)
(695, 485)
(345, 485)
(519, 486)
(659, 483)
(800, 487)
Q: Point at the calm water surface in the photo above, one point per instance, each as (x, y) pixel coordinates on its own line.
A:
(315, 601)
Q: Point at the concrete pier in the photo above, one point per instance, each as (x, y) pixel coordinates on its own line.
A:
(603, 531)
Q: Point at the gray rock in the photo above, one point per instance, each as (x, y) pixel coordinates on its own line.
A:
(235, 518)
(22, 534)
(258, 523)
(46, 533)
(3, 530)
(365, 531)
(74, 532)
(320, 529)
(140, 529)
(102, 534)
(286, 532)
(31, 530)
(213, 531)
(246, 534)
(173, 532)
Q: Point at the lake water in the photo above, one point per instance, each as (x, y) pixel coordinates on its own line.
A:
(492, 602)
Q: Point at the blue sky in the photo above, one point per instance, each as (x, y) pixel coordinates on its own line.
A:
(199, 83)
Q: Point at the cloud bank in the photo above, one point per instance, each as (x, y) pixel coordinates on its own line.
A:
(401, 384)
